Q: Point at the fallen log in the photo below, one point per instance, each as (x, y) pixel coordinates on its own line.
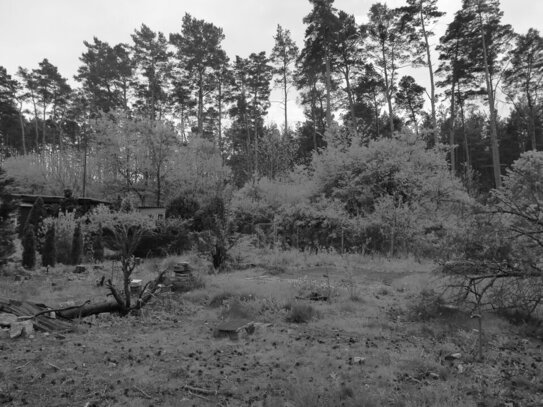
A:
(87, 310)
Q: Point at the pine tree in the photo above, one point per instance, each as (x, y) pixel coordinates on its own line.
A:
(77, 245)
(49, 255)
(29, 248)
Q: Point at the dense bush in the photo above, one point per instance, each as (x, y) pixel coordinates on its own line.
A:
(182, 207)
(169, 237)
(391, 196)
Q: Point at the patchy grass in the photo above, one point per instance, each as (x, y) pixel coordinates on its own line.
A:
(377, 342)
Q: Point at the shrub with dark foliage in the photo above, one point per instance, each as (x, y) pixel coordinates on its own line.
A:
(171, 236)
(29, 248)
(182, 207)
(77, 245)
(49, 256)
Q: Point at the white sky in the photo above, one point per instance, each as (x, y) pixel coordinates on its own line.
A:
(31, 30)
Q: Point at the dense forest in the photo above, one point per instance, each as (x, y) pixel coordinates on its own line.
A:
(149, 117)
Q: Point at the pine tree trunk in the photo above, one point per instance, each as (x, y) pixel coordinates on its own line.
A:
(22, 123)
(388, 95)
(451, 130)
(493, 120)
(328, 89)
(200, 104)
(351, 104)
(285, 95)
(531, 121)
(432, 84)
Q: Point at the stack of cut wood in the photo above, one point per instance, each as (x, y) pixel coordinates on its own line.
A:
(183, 279)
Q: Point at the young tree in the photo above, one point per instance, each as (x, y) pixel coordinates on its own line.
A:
(410, 98)
(283, 56)
(524, 78)
(419, 15)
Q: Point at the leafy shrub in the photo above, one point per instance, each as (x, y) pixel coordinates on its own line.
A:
(64, 226)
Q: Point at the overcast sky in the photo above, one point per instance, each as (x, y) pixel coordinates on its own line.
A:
(31, 30)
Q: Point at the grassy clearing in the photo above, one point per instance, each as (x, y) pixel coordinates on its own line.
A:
(375, 341)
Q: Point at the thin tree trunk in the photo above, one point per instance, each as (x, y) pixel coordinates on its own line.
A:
(351, 104)
(451, 130)
(158, 186)
(376, 107)
(431, 71)
(285, 95)
(200, 104)
(22, 123)
(414, 118)
(328, 89)
(36, 121)
(220, 121)
(256, 135)
(493, 120)
(43, 127)
(85, 168)
(531, 121)
(388, 94)
(465, 135)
